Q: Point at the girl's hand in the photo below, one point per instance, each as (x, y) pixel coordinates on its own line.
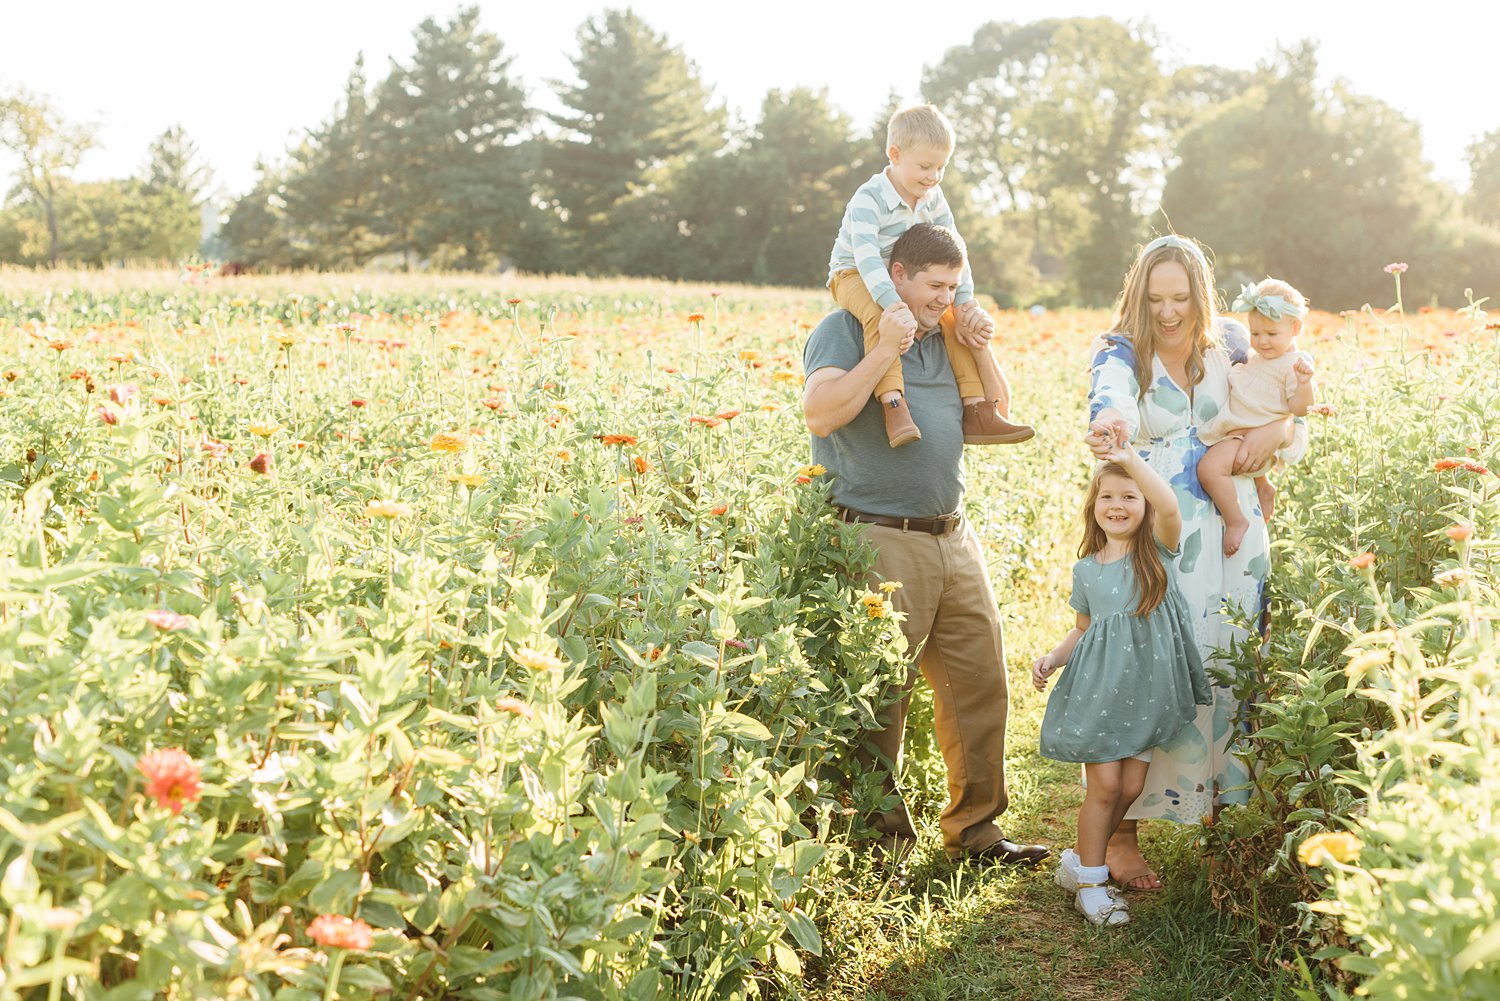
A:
(1042, 670)
(1106, 437)
(1304, 371)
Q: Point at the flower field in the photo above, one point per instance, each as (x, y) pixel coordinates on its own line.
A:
(427, 638)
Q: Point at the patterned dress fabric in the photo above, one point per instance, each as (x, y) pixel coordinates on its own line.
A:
(1185, 778)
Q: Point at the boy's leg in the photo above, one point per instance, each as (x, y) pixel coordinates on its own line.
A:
(983, 422)
(961, 358)
(1216, 474)
(850, 293)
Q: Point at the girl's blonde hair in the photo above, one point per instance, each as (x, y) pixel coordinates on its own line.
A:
(1133, 309)
(1276, 286)
(1150, 572)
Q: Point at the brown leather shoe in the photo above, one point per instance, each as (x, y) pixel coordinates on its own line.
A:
(899, 427)
(983, 425)
(1009, 853)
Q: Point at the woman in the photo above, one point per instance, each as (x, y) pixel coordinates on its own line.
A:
(1157, 375)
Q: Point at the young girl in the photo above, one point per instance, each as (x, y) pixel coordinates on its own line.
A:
(1276, 381)
(1134, 677)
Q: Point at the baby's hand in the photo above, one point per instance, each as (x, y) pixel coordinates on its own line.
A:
(1042, 670)
(1304, 371)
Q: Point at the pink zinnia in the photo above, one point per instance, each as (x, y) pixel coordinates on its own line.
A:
(167, 621)
(1395, 269)
(171, 778)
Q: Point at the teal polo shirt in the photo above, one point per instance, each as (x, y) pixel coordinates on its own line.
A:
(922, 479)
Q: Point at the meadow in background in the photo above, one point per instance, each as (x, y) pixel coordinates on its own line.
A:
(456, 637)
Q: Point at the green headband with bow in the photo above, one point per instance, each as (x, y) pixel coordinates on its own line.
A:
(1272, 307)
(1181, 243)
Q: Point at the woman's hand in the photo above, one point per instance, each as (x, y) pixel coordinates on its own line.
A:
(1107, 435)
(1042, 670)
(1260, 445)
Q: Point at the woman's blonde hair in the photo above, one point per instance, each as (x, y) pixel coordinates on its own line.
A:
(1150, 572)
(1133, 309)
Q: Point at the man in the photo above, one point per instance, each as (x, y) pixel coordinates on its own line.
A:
(910, 498)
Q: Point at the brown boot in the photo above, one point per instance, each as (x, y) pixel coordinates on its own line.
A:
(983, 425)
(899, 427)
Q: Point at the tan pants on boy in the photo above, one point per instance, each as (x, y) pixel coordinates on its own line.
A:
(851, 293)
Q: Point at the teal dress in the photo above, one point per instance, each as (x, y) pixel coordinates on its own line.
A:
(1133, 682)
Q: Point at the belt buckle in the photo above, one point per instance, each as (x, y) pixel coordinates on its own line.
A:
(944, 523)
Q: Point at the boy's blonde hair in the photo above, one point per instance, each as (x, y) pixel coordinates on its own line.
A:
(919, 125)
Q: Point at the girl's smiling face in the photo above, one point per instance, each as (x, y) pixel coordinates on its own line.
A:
(1272, 338)
(1120, 508)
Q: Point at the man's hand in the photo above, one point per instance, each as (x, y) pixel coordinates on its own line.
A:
(898, 326)
(975, 328)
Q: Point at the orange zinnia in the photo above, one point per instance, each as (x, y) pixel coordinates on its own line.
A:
(171, 778)
(336, 931)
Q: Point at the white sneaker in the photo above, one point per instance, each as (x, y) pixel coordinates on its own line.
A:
(1093, 897)
(1108, 914)
(1067, 875)
(1067, 871)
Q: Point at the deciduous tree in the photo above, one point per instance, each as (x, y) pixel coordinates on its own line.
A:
(49, 149)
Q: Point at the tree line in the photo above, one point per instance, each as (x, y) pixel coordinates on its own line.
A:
(1075, 143)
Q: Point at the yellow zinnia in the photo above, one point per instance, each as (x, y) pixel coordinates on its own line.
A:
(536, 660)
(265, 430)
(1330, 846)
(389, 509)
(451, 443)
(466, 479)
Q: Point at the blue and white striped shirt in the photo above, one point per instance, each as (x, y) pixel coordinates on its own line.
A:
(875, 218)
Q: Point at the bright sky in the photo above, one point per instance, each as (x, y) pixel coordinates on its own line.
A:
(244, 79)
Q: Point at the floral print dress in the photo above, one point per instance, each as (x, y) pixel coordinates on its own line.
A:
(1184, 780)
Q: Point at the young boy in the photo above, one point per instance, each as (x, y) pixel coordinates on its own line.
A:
(919, 141)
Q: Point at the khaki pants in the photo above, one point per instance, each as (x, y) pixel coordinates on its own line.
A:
(850, 292)
(954, 631)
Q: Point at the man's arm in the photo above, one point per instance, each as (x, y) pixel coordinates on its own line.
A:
(832, 397)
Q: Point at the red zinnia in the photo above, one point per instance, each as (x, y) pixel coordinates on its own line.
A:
(171, 778)
(261, 463)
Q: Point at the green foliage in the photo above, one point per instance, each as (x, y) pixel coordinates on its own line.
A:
(1374, 706)
(638, 112)
(581, 729)
(1322, 188)
(1052, 118)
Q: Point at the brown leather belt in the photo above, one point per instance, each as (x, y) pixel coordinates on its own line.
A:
(929, 526)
